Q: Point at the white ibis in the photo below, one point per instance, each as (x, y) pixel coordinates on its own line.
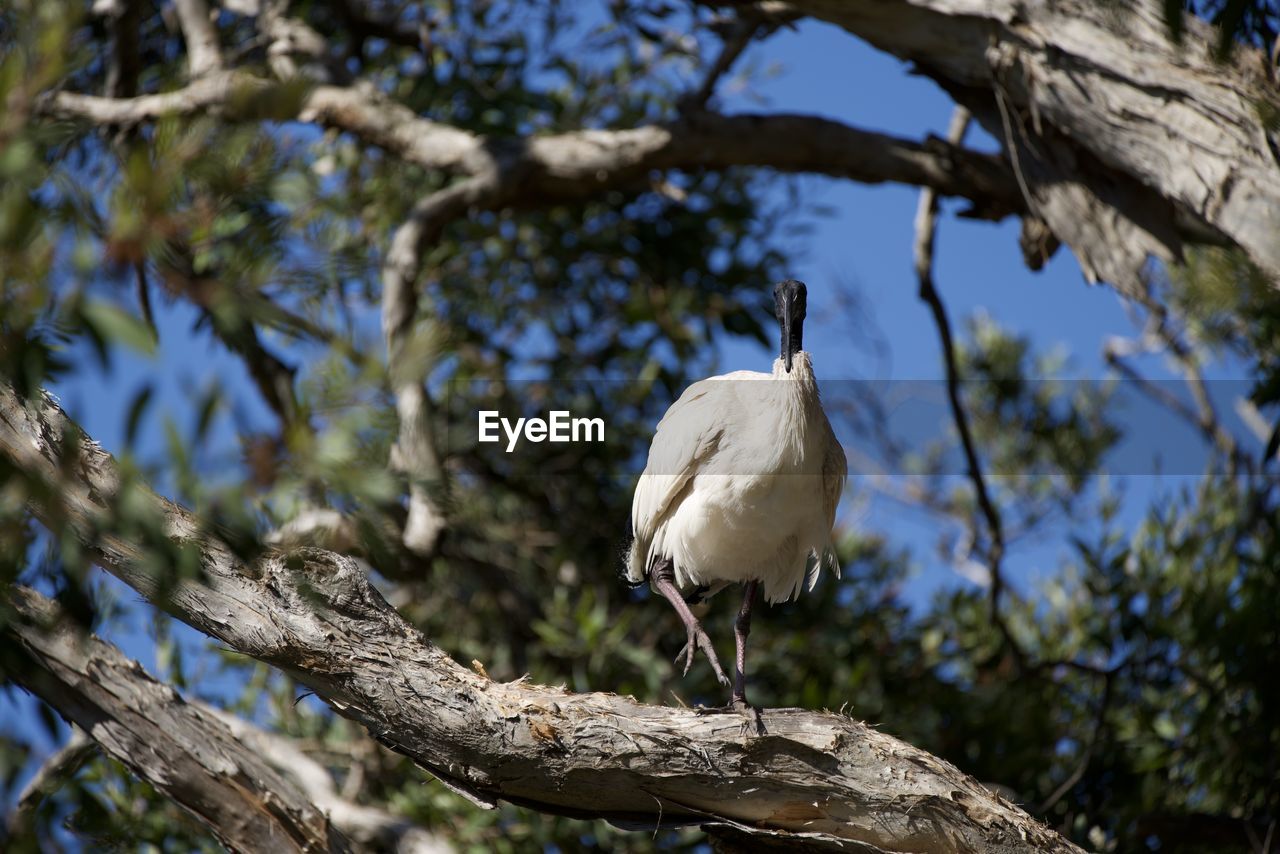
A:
(742, 483)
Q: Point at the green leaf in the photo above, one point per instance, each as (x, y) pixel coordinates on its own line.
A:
(114, 325)
(137, 408)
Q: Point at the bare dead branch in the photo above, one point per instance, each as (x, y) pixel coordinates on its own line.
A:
(926, 227)
(817, 780)
(184, 752)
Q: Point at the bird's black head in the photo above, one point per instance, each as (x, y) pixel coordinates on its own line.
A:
(790, 298)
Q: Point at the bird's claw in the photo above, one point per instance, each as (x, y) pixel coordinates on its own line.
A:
(753, 724)
(686, 652)
(698, 640)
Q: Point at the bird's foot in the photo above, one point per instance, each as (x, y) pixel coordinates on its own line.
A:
(698, 640)
(754, 721)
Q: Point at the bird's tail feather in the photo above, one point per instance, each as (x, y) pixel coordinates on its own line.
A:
(626, 565)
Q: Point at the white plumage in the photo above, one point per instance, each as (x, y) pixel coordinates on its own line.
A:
(742, 483)
(741, 486)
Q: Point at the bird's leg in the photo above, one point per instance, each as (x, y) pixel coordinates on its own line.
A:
(742, 628)
(664, 581)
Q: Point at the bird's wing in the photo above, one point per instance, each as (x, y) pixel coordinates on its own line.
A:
(688, 434)
(835, 469)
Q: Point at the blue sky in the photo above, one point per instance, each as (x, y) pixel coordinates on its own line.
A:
(865, 242)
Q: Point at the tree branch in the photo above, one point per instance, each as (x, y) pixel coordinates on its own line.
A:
(52, 773)
(364, 825)
(409, 357)
(123, 18)
(926, 227)
(818, 779)
(1130, 143)
(184, 752)
(582, 163)
(204, 54)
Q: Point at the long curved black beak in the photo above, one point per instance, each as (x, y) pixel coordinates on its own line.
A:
(788, 315)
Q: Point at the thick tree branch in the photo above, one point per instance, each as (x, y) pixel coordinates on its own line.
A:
(582, 163)
(307, 788)
(364, 825)
(819, 780)
(183, 751)
(1130, 143)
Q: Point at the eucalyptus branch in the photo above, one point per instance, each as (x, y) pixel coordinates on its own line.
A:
(185, 752)
(578, 164)
(415, 453)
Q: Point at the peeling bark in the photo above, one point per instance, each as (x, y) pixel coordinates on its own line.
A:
(1127, 144)
(816, 780)
(185, 752)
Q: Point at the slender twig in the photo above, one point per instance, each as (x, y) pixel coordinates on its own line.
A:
(1162, 331)
(736, 41)
(61, 765)
(1086, 759)
(273, 378)
(926, 227)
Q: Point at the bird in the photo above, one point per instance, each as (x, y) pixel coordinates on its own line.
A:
(741, 485)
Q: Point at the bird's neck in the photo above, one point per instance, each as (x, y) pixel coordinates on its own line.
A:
(801, 372)
(795, 395)
(792, 407)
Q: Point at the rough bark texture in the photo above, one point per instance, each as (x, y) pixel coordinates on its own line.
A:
(185, 752)
(816, 779)
(1126, 143)
(364, 825)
